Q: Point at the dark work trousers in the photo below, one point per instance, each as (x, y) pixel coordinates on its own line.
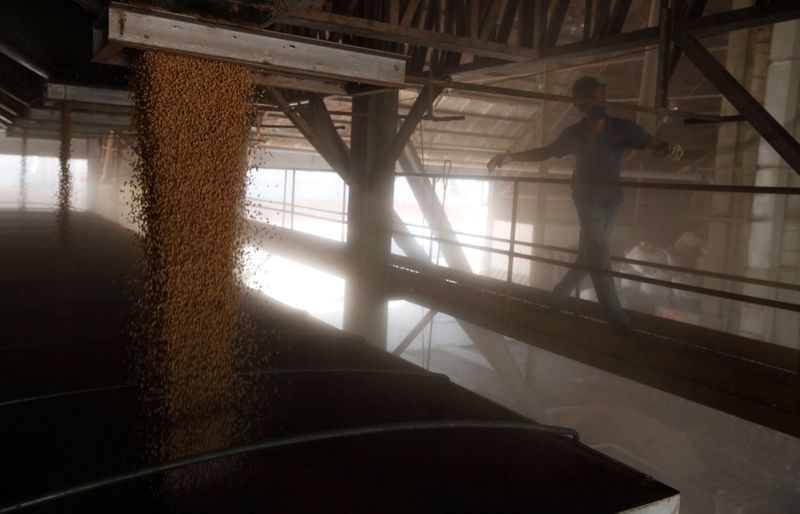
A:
(597, 223)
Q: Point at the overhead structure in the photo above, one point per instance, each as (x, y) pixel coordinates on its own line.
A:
(62, 92)
(124, 27)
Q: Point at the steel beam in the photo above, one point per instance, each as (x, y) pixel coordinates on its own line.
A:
(700, 27)
(90, 127)
(54, 133)
(59, 92)
(693, 9)
(617, 18)
(526, 21)
(536, 95)
(554, 21)
(510, 13)
(7, 111)
(280, 16)
(14, 97)
(664, 51)
(23, 60)
(317, 252)
(601, 18)
(587, 19)
(781, 10)
(405, 241)
(416, 112)
(411, 10)
(327, 151)
(490, 19)
(324, 131)
(374, 29)
(284, 81)
(748, 17)
(127, 27)
(766, 125)
(81, 117)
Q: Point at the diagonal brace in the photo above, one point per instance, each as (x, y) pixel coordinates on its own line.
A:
(322, 140)
(414, 332)
(766, 125)
(317, 116)
(415, 114)
(491, 345)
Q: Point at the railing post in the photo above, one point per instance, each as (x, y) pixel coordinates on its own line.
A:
(291, 218)
(513, 236)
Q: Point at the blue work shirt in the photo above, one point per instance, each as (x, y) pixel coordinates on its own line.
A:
(600, 159)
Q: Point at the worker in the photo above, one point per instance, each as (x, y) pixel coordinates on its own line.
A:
(598, 142)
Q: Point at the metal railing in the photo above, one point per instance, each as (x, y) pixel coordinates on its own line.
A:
(512, 243)
(288, 204)
(625, 260)
(451, 237)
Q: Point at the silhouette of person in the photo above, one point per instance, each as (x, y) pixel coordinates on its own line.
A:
(598, 142)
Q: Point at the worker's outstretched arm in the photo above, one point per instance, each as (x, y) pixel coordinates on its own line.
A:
(637, 137)
(532, 155)
(666, 150)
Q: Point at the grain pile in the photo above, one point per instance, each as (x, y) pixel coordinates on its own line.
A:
(192, 119)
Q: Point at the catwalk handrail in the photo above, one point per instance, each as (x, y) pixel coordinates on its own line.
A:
(637, 278)
(667, 267)
(648, 264)
(256, 203)
(301, 214)
(678, 186)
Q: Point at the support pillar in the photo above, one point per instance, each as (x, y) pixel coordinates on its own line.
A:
(370, 215)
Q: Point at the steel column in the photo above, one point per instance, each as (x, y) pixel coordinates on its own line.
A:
(664, 52)
(513, 236)
(370, 216)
